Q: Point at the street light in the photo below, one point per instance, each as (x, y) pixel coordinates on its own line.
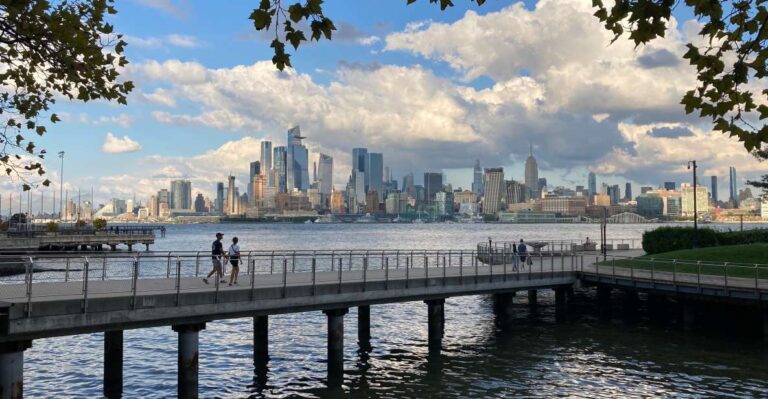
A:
(695, 211)
(61, 185)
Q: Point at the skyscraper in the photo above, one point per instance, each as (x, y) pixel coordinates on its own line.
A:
(592, 183)
(279, 159)
(532, 174)
(433, 183)
(181, 195)
(297, 162)
(325, 174)
(614, 193)
(628, 191)
(477, 181)
(669, 185)
(494, 185)
(359, 159)
(733, 186)
(219, 203)
(713, 188)
(200, 203)
(266, 160)
(408, 186)
(233, 199)
(374, 171)
(255, 170)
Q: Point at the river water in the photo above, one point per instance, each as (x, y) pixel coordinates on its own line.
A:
(528, 356)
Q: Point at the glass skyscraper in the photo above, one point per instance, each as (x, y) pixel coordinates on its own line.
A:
(181, 195)
(266, 161)
(732, 185)
(433, 183)
(477, 180)
(297, 162)
(279, 159)
(592, 183)
(713, 188)
(325, 174)
(532, 175)
(374, 171)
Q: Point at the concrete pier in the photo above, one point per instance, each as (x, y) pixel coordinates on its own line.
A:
(532, 298)
(435, 320)
(189, 359)
(335, 346)
(260, 342)
(12, 369)
(364, 326)
(113, 364)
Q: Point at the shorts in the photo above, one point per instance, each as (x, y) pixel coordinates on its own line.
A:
(217, 264)
(235, 262)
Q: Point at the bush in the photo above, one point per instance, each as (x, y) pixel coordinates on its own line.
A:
(99, 224)
(4, 226)
(665, 239)
(52, 227)
(80, 224)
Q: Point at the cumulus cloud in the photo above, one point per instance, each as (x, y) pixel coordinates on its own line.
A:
(152, 42)
(160, 97)
(219, 119)
(115, 145)
(175, 8)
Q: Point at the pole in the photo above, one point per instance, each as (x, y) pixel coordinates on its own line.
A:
(61, 184)
(695, 210)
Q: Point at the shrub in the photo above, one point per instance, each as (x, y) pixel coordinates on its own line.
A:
(665, 239)
(80, 224)
(52, 227)
(4, 226)
(99, 224)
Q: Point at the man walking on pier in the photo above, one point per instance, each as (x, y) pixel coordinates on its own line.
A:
(522, 250)
(217, 250)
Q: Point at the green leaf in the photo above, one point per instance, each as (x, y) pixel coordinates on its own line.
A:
(261, 19)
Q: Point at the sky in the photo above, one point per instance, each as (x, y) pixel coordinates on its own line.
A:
(431, 90)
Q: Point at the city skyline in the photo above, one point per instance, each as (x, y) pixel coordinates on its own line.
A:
(171, 131)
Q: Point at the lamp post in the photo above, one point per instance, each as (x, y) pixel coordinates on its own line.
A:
(61, 185)
(695, 210)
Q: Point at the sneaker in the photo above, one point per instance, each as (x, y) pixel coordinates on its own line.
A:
(230, 284)
(235, 283)
(205, 280)
(223, 281)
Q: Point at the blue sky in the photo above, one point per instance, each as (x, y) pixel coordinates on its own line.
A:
(429, 89)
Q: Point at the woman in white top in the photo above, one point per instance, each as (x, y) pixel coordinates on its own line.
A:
(233, 254)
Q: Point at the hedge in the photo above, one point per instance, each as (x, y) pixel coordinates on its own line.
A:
(665, 239)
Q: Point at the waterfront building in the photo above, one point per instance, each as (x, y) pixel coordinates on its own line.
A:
(372, 202)
(674, 207)
(266, 160)
(433, 183)
(628, 191)
(258, 190)
(279, 160)
(152, 206)
(532, 175)
(408, 186)
(645, 189)
(233, 199)
(493, 183)
(163, 197)
(180, 195)
(565, 206)
(733, 185)
(219, 204)
(297, 162)
(713, 188)
(254, 170)
(614, 193)
(702, 199)
(325, 174)
(542, 187)
(592, 183)
(602, 200)
(358, 183)
(337, 202)
(477, 181)
(515, 192)
(444, 203)
(359, 157)
(650, 206)
(392, 203)
(464, 197)
(374, 171)
(670, 186)
(315, 199)
(200, 203)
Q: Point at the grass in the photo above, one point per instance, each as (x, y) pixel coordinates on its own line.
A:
(741, 261)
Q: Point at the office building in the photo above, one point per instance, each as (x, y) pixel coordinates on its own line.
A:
(515, 192)
(542, 186)
(734, 189)
(392, 203)
(200, 204)
(266, 157)
(433, 183)
(163, 200)
(477, 181)
(325, 174)
(374, 171)
(181, 195)
(337, 202)
(713, 188)
(532, 175)
(444, 203)
(702, 199)
(219, 202)
(592, 183)
(564, 206)
(614, 193)
(670, 185)
(254, 170)
(650, 206)
(494, 184)
(233, 197)
(297, 162)
(408, 186)
(279, 160)
(628, 191)
(359, 159)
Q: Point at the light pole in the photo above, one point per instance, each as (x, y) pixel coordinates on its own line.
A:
(61, 185)
(695, 211)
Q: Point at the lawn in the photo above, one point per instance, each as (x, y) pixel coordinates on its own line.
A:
(741, 261)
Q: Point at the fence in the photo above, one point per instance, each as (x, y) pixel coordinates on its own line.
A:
(558, 247)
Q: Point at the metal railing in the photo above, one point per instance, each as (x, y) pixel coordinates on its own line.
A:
(559, 246)
(726, 275)
(146, 274)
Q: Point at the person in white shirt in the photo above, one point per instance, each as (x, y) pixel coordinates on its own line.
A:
(233, 254)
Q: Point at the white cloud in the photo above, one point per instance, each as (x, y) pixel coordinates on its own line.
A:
(175, 8)
(218, 119)
(152, 42)
(599, 118)
(160, 97)
(115, 145)
(369, 40)
(182, 40)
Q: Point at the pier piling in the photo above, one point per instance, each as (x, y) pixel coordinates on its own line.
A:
(364, 327)
(335, 346)
(188, 359)
(113, 364)
(12, 369)
(260, 342)
(435, 320)
(532, 298)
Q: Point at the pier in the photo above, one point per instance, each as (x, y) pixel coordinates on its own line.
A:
(112, 292)
(38, 239)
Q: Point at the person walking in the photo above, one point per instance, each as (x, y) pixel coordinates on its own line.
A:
(217, 251)
(515, 261)
(522, 251)
(233, 254)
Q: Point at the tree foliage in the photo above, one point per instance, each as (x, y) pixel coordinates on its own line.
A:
(49, 52)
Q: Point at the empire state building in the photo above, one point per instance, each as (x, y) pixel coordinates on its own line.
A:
(532, 175)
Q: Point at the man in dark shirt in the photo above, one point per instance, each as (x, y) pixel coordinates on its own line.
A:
(217, 250)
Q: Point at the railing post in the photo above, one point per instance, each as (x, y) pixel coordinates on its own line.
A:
(103, 268)
(397, 259)
(333, 259)
(30, 272)
(757, 275)
(85, 285)
(341, 265)
(426, 269)
(698, 275)
(365, 270)
(66, 271)
(476, 261)
(197, 264)
(504, 261)
(314, 274)
(674, 272)
(178, 280)
(168, 268)
(444, 276)
(386, 274)
(272, 262)
(407, 270)
(461, 267)
(134, 281)
(253, 277)
(285, 277)
(293, 262)
(725, 266)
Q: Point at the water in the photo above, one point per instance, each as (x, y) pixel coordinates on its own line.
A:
(531, 356)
